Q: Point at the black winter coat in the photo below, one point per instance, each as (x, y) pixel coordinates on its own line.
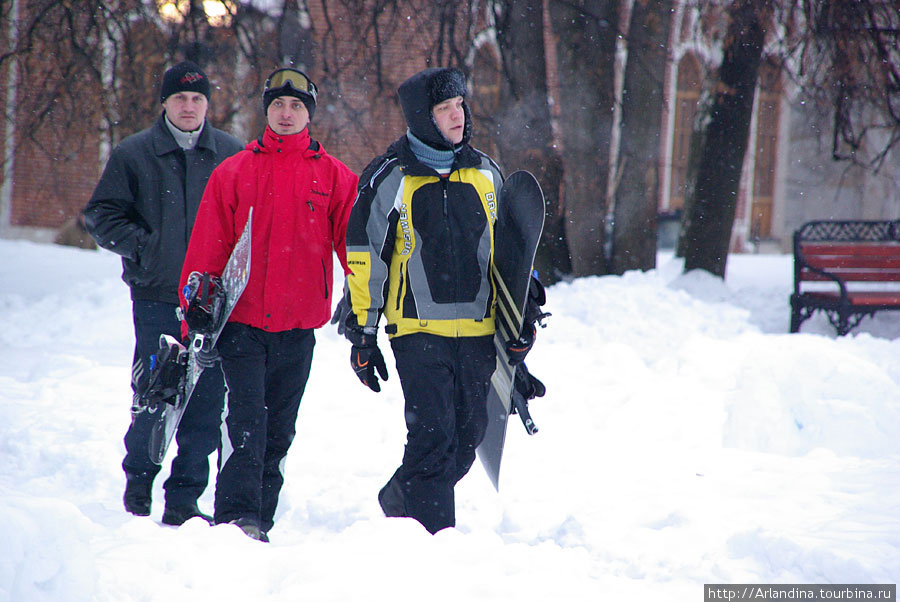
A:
(144, 205)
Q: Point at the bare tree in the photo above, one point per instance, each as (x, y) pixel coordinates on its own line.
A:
(585, 28)
(712, 194)
(524, 120)
(637, 190)
(846, 58)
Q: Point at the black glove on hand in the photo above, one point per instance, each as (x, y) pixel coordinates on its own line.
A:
(517, 350)
(340, 314)
(366, 358)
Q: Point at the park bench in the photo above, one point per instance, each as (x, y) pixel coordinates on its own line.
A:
(846, 269)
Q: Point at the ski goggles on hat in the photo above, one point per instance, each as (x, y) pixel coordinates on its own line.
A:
(293, 78)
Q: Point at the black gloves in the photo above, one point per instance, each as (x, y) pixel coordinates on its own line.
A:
(517, 349)
(365, 357)
(365, 360)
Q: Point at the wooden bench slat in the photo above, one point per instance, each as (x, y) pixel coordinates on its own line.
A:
(876, 263)
(852, 276)
(851, 249)
(867, 299)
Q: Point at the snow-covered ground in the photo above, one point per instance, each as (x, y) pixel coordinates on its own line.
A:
(685, 439)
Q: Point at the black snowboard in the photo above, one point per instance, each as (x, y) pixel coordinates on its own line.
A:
(520, 221)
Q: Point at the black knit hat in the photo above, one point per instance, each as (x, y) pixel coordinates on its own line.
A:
(421, 92)
(288, 81)
(186, 76)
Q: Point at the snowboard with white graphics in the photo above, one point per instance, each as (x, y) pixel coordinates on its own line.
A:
(233, 281)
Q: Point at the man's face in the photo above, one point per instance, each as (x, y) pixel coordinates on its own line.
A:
(287, 115)
(450, 118)
(186, 110)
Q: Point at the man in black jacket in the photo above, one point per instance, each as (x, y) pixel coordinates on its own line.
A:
(143, 209)
(420, 242)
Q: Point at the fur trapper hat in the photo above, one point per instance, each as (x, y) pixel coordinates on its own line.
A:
(421, 92)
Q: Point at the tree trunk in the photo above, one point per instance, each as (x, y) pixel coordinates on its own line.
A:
(723, 140)
(586, 28)
(526, 137)
(637, 191)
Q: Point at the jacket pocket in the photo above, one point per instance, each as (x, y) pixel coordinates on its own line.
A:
(400, 284)
(325, 278)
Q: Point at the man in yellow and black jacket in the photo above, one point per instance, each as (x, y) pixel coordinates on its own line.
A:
(420, 244)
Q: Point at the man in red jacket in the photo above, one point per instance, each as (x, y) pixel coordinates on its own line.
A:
(301, 199)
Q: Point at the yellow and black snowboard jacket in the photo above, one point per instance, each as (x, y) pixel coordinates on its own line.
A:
(421, 245)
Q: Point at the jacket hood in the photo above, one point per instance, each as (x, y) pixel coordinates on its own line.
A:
(421, 92)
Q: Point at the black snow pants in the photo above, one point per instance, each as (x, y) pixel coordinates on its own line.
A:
(445, 383)
(266, 374)
(198, 432)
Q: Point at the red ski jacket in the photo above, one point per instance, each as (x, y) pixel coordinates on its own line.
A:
(301, 198)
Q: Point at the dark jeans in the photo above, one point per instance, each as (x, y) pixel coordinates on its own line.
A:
(266, 374)
(445, 383)
(198, 433)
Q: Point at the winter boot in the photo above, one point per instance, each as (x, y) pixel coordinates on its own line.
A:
(137, 494)
(178, 515)
(251, 529)
(391, 500)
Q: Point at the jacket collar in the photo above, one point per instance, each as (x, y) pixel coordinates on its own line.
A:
(465, 157)
(164, 142)
(270, 142)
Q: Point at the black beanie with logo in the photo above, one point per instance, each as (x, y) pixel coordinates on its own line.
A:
(421, 92)
(186, 76)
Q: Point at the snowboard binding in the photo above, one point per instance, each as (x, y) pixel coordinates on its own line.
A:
(166, 381)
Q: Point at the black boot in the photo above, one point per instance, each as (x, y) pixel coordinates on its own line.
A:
(137, 494)
(251, 529)
(178, 515)
(392, 500)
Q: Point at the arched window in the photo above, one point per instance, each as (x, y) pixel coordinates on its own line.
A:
(687, 98)
(764, 159)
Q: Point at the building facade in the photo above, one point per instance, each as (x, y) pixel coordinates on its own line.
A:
(53, 152)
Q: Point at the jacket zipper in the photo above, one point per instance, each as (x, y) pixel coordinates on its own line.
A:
(444, 185)
(325, 278)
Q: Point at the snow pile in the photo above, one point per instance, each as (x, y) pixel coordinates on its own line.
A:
(686, 438)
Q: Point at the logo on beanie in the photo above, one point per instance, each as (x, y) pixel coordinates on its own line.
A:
(191, 77)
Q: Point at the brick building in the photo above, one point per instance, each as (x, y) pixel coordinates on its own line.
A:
(53, 152)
